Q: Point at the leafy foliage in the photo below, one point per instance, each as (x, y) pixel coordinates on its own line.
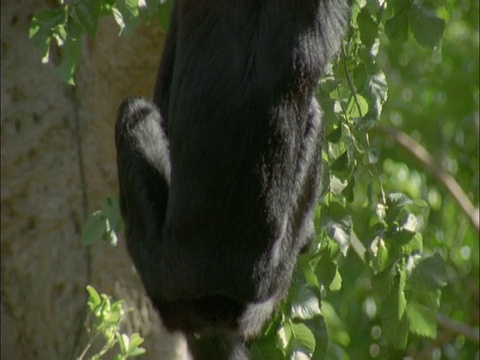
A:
(104, 322)
(393, 248)
(103, 224)
(66, 25)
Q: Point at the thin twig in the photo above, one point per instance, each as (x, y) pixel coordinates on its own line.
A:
(440, 174)
(453, 326)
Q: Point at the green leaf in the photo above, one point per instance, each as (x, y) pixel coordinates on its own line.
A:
(380, 255)
(94, 299)
(402, 236)
(395, 203)
(427, 273)
(326, 268)
(335, 326)
(340, 163)
(123, 342)
(45, 25)
(415, 245)
(397, 332)
(264, 349)
(126, 14)
(400, 296)
(410, 223)
(284, 336)
(271, 329)
(429, 298)
(106, 7)
(336, 284)
(426, 26)
(368, 28)
(335, 135)
(304, 303)
(87, 13)
(357, 107)
(398, 200)
(374, 91)
(422, 319)
(421, 311)
(94, 228)
(71, 52)
(136, 340)
(394, 306)
(349, 192)
(396, 28)
(318, 327)
(302, 340)
(337, 185)
(383, 283)
(401, 5)
(373, 156)
(306, 266)
(136, 352)
(340, 231)
(70, 60)
(393, 311)
(111, 209)
(109, 235)
(103, 224)
(381, 211)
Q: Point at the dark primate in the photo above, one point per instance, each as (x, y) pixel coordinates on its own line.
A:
(219, 177)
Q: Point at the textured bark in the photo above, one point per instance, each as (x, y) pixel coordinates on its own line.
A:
(58, 165)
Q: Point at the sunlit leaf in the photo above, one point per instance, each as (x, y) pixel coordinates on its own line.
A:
(305, 304)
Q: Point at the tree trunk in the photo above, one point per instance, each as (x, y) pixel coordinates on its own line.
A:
(58, 165)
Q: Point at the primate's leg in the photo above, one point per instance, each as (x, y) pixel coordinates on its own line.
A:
(144, 175)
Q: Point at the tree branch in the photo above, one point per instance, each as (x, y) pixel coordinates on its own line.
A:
(448, 324)
(442, 176)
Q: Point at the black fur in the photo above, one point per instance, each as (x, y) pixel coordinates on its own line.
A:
(219, 179)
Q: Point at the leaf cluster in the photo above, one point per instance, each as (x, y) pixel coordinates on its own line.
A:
(65, 26)
(103, 327)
